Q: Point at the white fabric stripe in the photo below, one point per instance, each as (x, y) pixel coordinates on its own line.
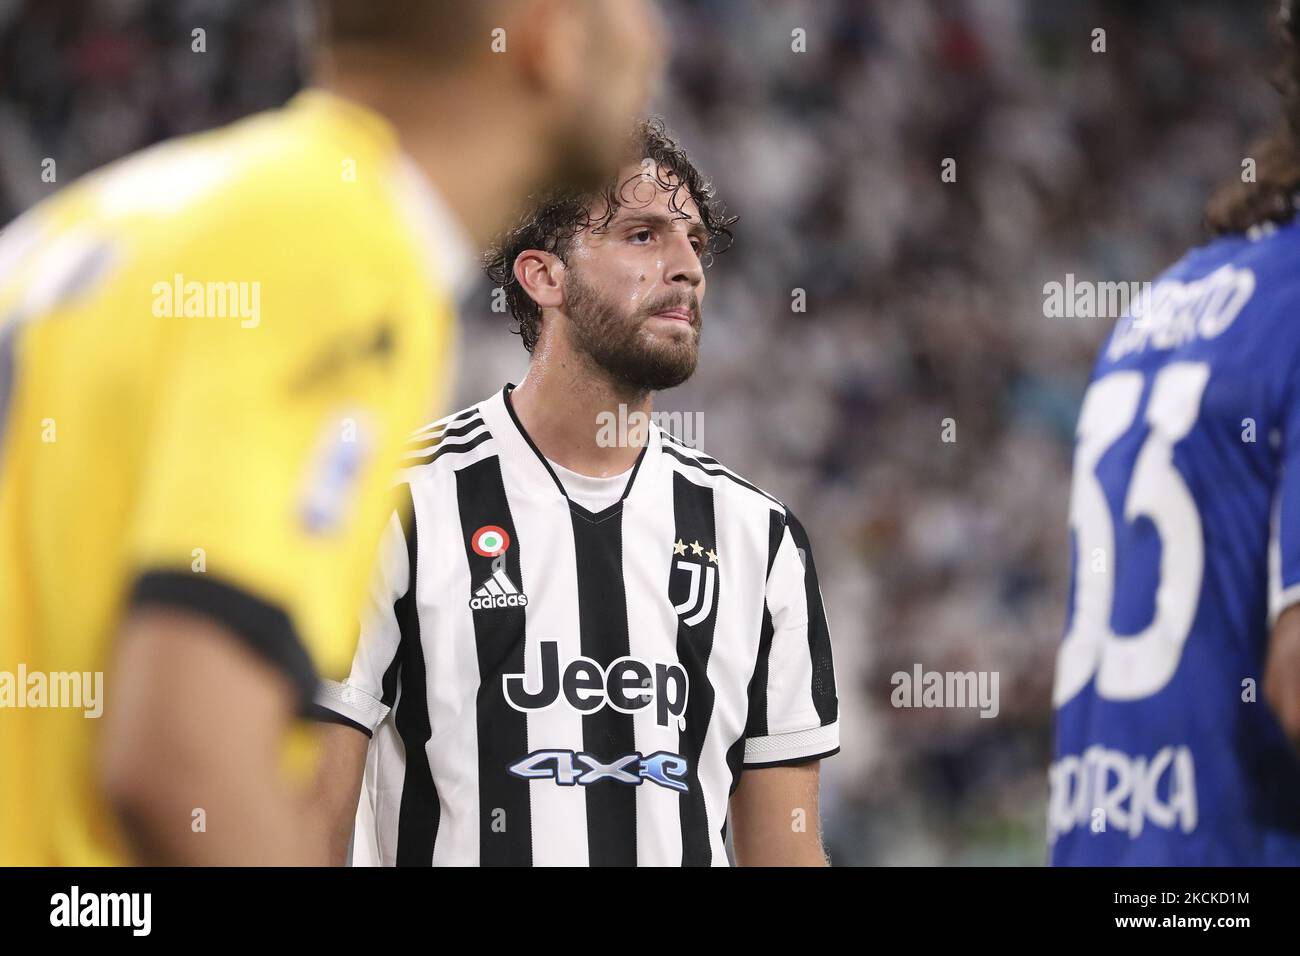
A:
(523, 471)
(790, 704)
(381, 794)
(427, 436)
(451, 668)
(550, 579)
(504, 583)
(792, 746)
(376, 647)
(453, 442)
(365, 842)
(379, 631)
(413, 472)
(742, 522)
(652, 636)
(430, 433)
(465, 414)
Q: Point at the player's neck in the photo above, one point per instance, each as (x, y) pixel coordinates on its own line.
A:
(482, 171)
(576, 417)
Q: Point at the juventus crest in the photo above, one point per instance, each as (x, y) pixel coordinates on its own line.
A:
(693, 584)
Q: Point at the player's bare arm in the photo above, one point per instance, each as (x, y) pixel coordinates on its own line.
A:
(775, 819)
(332, 802)
(196, 733)
(1282, 672)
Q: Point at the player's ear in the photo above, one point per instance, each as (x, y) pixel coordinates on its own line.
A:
(542, 276)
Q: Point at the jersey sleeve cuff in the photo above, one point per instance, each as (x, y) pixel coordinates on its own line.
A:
(263, 627)
(800, 746)
(1280, 601)
(348, 704)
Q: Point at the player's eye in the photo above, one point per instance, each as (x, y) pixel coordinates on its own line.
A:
(642, 235)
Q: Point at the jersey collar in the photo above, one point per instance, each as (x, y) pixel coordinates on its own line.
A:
(526, 460)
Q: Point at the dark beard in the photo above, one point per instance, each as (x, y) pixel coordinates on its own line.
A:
(614, 343)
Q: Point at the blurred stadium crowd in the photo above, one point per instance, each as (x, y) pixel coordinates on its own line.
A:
(924, 302)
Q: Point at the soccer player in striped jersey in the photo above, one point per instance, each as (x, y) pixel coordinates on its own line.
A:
(1178, 680)
(580, 650)
(210, 354)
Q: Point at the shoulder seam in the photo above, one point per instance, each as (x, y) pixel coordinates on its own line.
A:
(711, 466)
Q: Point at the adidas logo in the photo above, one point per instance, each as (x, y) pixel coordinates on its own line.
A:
(497, 591)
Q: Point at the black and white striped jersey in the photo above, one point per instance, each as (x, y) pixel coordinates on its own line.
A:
(547, 685)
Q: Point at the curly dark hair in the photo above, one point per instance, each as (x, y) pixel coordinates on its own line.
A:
(1237, 206)
(553, 220)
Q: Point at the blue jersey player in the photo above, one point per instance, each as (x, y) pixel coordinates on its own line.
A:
(1177, 687)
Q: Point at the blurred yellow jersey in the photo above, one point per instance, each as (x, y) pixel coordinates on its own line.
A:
(210, 353)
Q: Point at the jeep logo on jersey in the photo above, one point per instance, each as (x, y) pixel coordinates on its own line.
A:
(627, 685)
(694, 572)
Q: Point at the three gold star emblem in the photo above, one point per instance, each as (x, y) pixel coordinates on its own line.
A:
(696, 549)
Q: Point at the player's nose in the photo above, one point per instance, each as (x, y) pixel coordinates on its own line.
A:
(683, 264)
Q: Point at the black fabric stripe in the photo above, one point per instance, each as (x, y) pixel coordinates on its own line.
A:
(794, 761)
(607, 733)
(420, 811)
(694, 522)
(451, 431)
(505, 818)
(263, 627)
(388, 684)
(756, 726)
(716, 472)
(447, 450)
(323, 715)
(436, 428)
(735, 763)
(756, 723)
(819, 636)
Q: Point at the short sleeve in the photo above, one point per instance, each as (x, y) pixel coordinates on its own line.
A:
(365, 698)
(793, 709)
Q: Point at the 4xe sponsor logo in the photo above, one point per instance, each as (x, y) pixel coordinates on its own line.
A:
(568, 768)
(627, 685)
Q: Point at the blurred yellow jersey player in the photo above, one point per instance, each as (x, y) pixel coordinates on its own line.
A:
(210, 353)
